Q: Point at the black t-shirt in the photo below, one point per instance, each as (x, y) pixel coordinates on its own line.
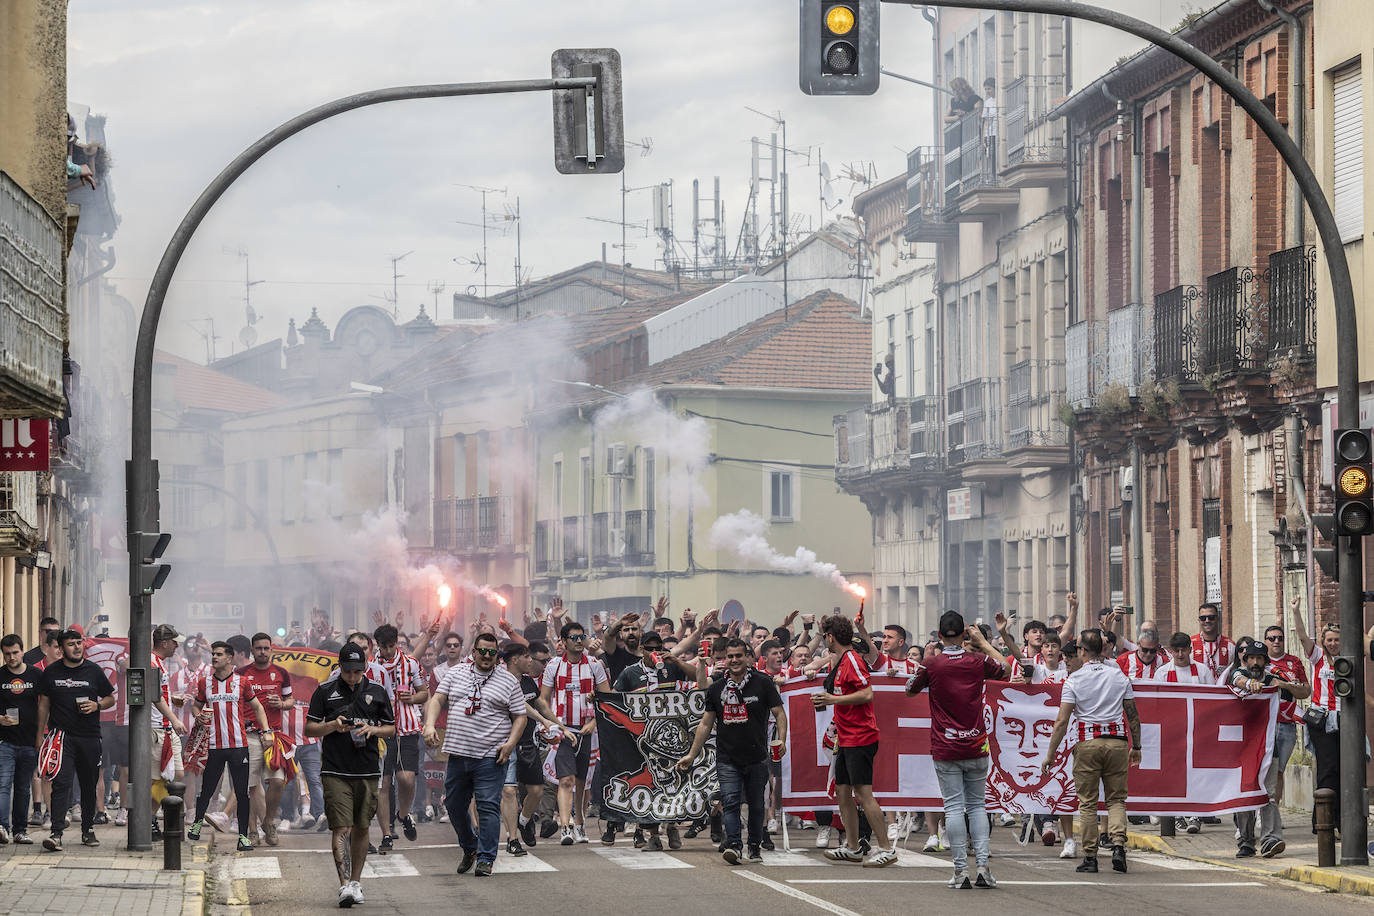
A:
(20, 691)
(530, 688)
(742, 734)
(63, 686)
(368, 703)
(617, 662)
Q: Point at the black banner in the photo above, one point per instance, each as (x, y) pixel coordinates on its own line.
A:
(643, 735)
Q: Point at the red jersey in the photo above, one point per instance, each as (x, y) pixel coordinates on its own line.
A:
(573, 686)
(955, 678)
(266, 682)
(1290, 668)
(899, 663)
(227, 701)
(164, 690)
(1216, 655)
(1137, 670)
(855, 725)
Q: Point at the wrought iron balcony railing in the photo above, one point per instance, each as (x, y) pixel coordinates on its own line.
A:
(1175, 327)
(1234, 323)
(1031, 136)
(1293, 302)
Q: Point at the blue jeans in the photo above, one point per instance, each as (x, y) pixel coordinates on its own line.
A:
(481, 778)
(17, 764)
(1270, 819)
(308, 762)
(963, 786)
(742, 784)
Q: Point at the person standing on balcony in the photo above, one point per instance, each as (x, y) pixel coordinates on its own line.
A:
(964, 101)
(989, 127)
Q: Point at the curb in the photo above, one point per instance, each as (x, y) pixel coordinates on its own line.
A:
(193, 894)
(1329, 879)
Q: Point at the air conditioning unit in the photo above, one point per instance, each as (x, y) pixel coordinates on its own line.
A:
(615, 460)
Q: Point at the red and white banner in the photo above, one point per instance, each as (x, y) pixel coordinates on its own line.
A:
(23, 445)
(1204, 750)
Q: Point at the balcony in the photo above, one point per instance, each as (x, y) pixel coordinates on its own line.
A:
(602, 547)
(1084, 343)
(1234, 324)
(972, 188)
(1035, 147)
(1127, 345)
(1293, 304)
(18, 513)
(639, 538)
(31, 306)
(886, 444)
(1175, 327)
(476, 523)
(1035, 436)
(574, 542)
(925, 220)
(974, 430)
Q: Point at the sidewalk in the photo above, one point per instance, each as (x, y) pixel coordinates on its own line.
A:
(105, 879)
(1216, 845)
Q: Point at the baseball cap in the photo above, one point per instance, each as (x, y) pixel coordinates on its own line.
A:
(1247, 646)
(352, 658)
(951, 623)
(165, 631)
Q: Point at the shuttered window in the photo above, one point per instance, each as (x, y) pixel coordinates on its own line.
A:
(1347, 156)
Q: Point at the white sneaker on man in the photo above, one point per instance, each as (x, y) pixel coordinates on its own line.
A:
(121, 818)
(932, 844)
(357, 891)
(881, 859)
(823, 838)
(580, 833)
(772, 825)
(944, 839)
(1006, 820)
(217, 819)
(346, 898)
(1070, 850)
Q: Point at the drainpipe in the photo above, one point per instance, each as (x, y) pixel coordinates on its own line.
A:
(1299, 114)
(1137, 299)
(1295, 482)
(938, 374)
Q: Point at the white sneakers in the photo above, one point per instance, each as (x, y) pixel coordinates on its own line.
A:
(932, 844)
(1070, 850)
(773, 825)
(845, 854)
(823, 838)
(350, 893)
(1006, 820)
(217, 819)
(580, 833)
(881, 859)
(959, 881)
(122, 817)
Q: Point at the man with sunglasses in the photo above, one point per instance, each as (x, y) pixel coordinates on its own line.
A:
(1290, 668)
(1211, 648)
(486, 717)
(1145, 661)
(567, 687)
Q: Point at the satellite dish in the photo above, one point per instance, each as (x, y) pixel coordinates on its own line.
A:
(825, 171)
(828, 195)
(248, 336)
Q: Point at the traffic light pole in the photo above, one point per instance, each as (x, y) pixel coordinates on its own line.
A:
(1354, 804)
(142, 470)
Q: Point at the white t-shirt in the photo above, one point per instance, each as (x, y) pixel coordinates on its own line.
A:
(1046, 675)
(1097, 691)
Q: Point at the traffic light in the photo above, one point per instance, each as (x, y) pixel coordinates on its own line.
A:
(150, 573)
(1354, 492)
(1343, 668)
(1325, 557)
(839, 47)
(588, 128)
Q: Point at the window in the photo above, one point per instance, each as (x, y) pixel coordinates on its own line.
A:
(891, 328)
(910, 356)
(558, 488)
(289, 490)
(483, 464)
(585, 494)
(260, 491)
(334, 476)
(1347, 152)
(241, 494)
(780, 495)
(1114, 558)
(648, 479)
(311, 489)
(183, 497)
(460, 467)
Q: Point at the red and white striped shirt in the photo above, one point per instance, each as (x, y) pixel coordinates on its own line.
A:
(1195, 673)
(1289, 667)
(165, 691)
(402, 672)
(1138, 670)
(899, 663)
(227, 701)
(184, 681)
(573, 686)
(1323, 680)
(293, 723)
(1216, 655)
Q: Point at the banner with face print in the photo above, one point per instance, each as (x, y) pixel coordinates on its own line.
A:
(1204, 750)
(642, 736)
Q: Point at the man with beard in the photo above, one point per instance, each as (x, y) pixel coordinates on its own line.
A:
(1211, 648)
(738, 706)
(622, 640)
(524, 767)
(399, 675)
(485, 720)
(1145, 660)
(272, 687)
(567, 687)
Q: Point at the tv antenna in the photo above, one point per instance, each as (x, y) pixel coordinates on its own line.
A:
(435, 287)
(780, 124)
(248, 284)
(395, 282)
(485, 224)
(205, 329)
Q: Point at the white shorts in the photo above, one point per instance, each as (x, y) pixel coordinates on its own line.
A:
(258, 774)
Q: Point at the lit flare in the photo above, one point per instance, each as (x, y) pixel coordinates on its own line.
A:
(445, 595)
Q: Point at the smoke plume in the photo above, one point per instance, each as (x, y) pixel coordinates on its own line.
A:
(746, 535)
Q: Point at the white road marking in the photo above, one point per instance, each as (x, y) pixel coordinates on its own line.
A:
(257, 867)
(514, 865)
(1171, 863)
(632, 858)
(1001, 882)
(394, 865)
(907, 859)
(795, 857)
(795, 894)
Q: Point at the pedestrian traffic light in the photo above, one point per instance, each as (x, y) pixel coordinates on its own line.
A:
(588, 127)
(1343, 668)
(1325, 557)
(150, 573)
(1354, 492)
(839, 47)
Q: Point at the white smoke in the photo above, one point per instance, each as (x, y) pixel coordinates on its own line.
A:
(746, 535)
(682, 445)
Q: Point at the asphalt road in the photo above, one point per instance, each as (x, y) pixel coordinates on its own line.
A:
(298, 877)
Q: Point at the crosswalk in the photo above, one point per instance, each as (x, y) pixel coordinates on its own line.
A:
(397, 865)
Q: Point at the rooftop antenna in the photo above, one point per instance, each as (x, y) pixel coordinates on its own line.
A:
(208, 335)
(484, 192)
(780, 123)
(435, 287)
(395, 284)
(248, 284)
(646, 146)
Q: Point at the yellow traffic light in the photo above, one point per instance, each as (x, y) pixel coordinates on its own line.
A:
(839, 20)
(1354, 481)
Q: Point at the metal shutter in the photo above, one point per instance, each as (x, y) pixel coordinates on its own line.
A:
(1347, 153)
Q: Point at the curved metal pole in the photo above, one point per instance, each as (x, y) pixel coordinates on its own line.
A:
(1354, 827)
(142, 471)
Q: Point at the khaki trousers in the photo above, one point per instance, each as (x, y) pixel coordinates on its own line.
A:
(1104, 762)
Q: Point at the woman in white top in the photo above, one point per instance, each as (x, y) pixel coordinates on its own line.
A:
(1322, 738)
(1183, 669)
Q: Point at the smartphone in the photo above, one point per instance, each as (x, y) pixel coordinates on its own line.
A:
(1127, 609)
(102, 618)
(1027, 670)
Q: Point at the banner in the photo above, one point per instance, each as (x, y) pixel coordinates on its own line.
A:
(642, 737)
(24, 445)
(1205, 751)
(308, 669)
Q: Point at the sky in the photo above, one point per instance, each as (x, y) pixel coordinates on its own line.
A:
(187, 85)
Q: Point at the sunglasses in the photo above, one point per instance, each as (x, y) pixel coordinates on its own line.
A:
(488, 653)
(453, 645)
(1273, 639)
(1206, 617)
(739, 655)
(1148, 651)
(576, 637)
